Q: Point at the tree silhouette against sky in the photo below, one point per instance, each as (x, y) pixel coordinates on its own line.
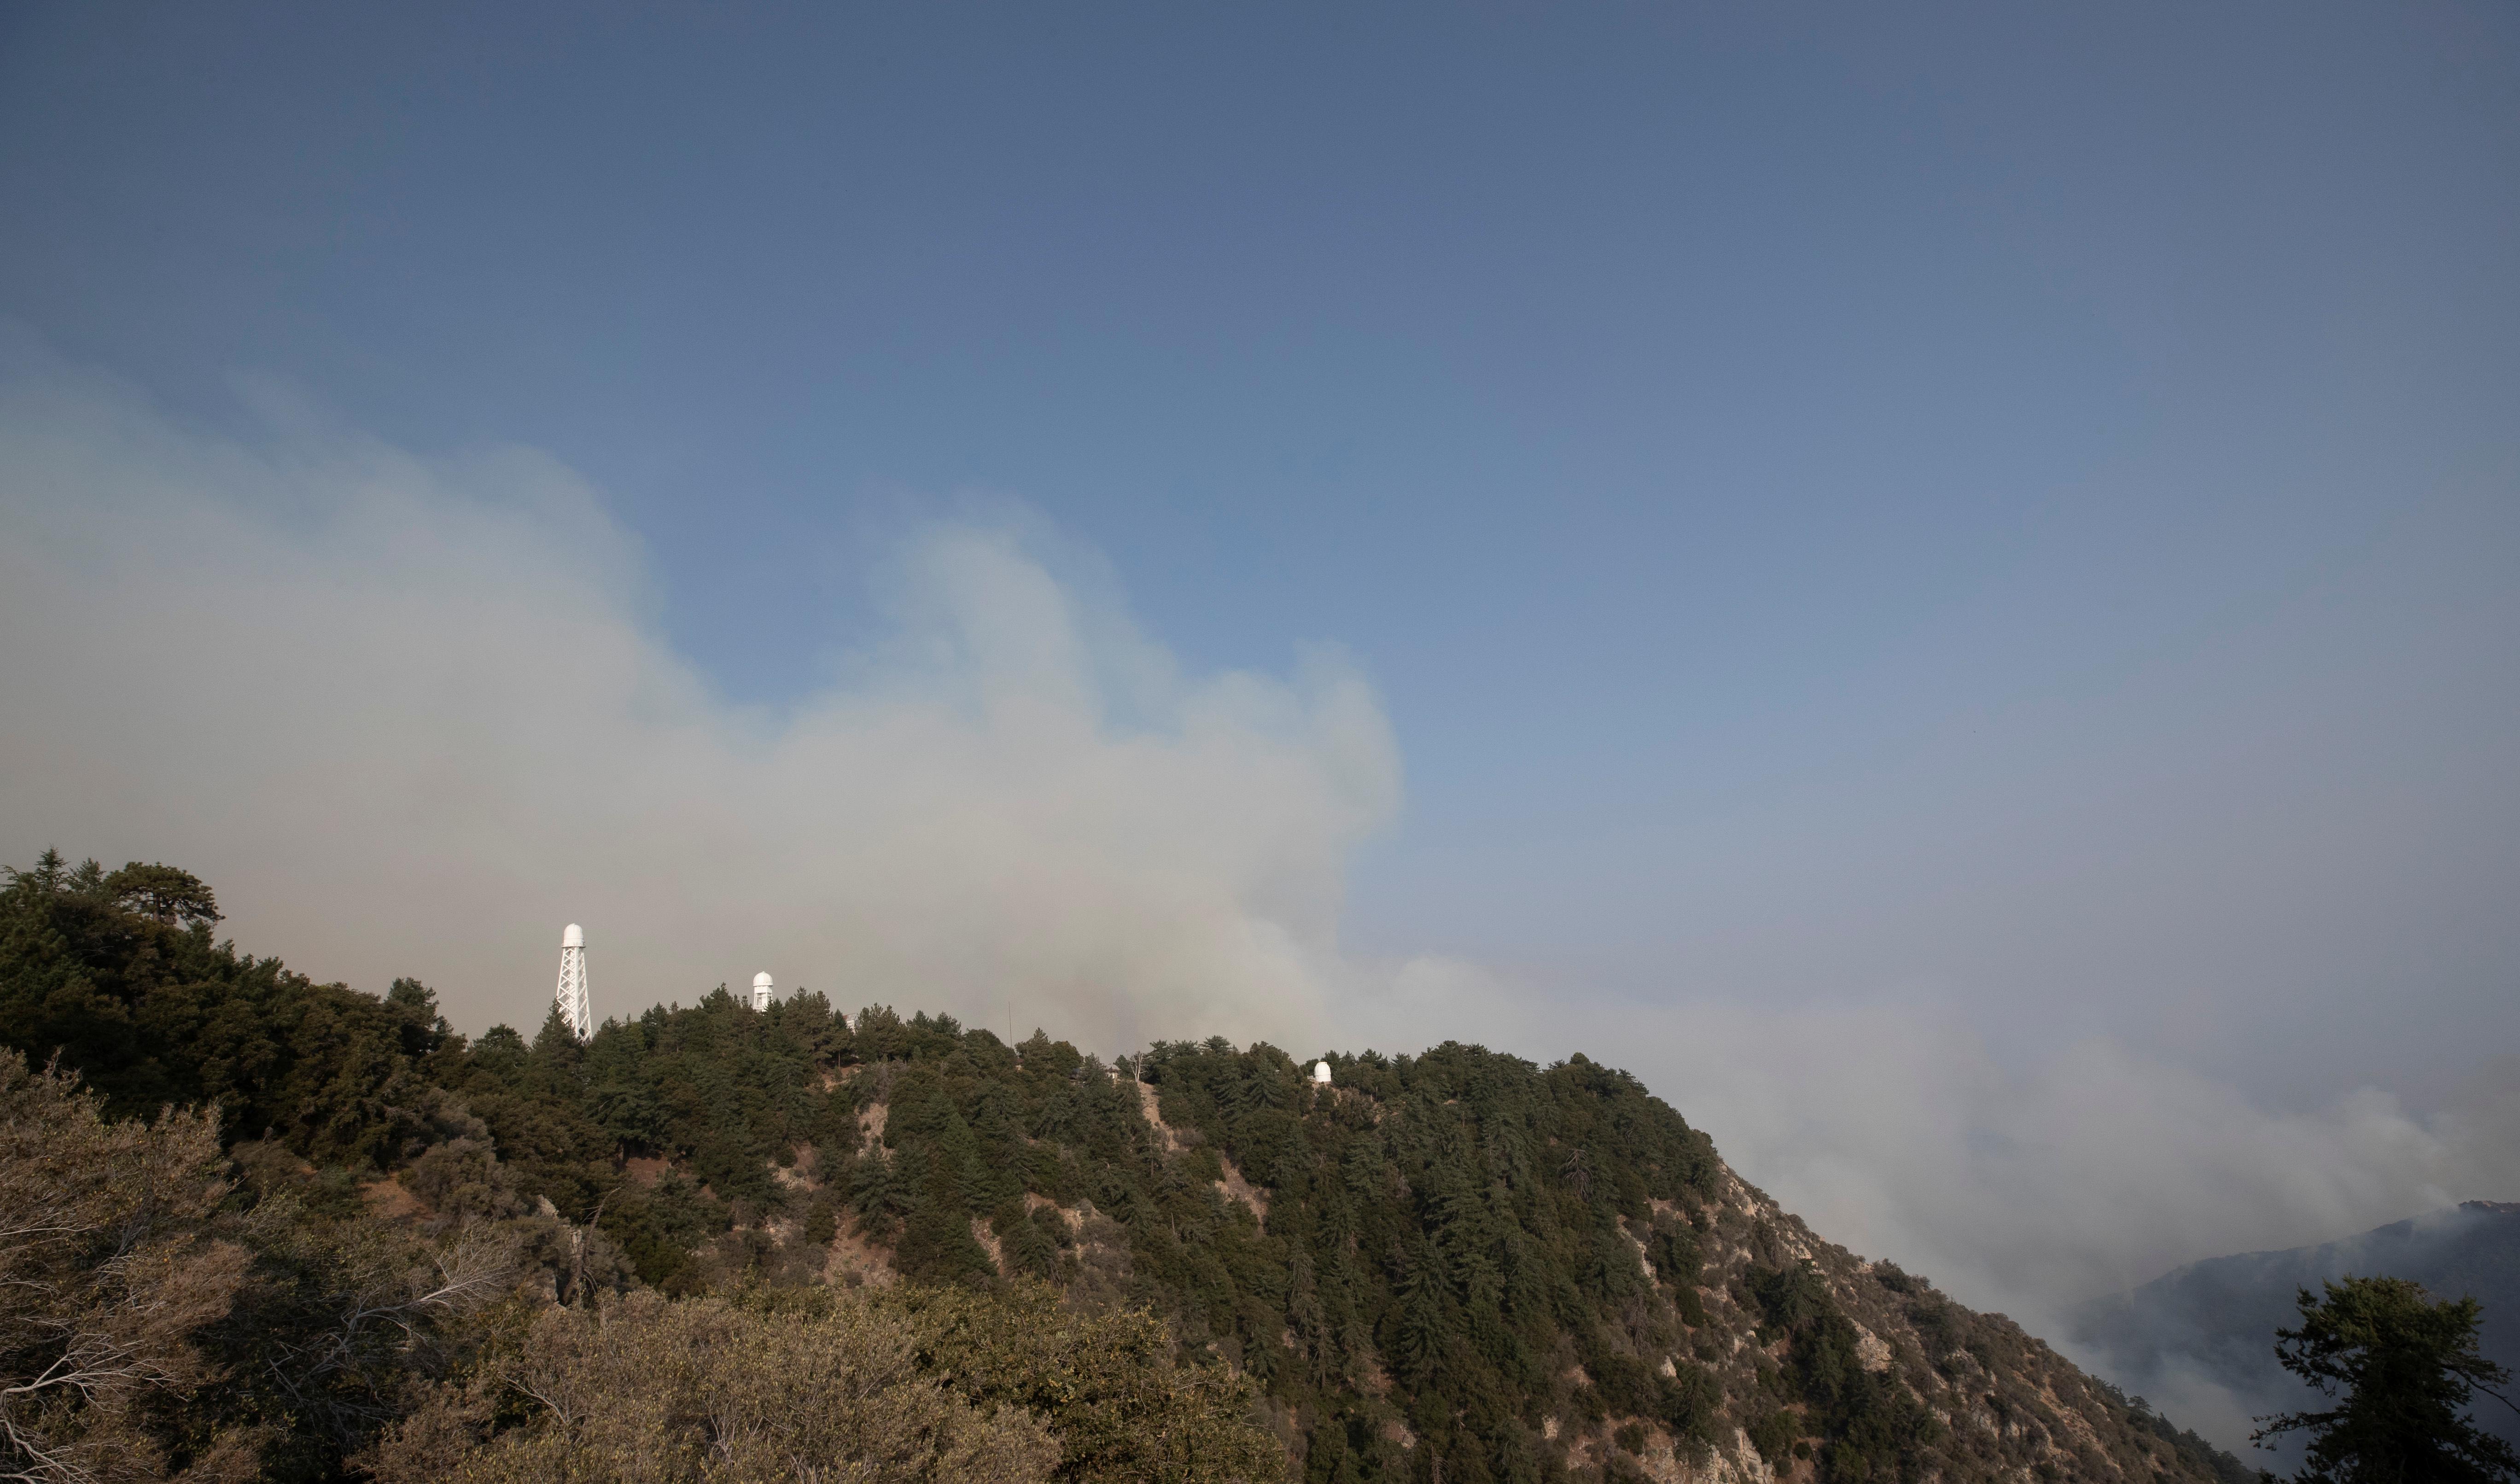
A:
(2407, 1366)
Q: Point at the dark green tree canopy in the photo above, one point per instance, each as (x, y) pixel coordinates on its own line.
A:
(2404, 1369)
(1457, 1265)
(176, 898)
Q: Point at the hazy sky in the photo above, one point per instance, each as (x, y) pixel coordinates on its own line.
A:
(1944, 582)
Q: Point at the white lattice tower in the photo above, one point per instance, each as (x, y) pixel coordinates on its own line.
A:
(574, 1006)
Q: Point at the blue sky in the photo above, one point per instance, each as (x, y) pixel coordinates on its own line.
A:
(2002, 510)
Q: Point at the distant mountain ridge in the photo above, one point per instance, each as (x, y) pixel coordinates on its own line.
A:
(2217, 1318)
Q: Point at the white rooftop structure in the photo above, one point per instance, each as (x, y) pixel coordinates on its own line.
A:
(1321, 1073)
(761, 987)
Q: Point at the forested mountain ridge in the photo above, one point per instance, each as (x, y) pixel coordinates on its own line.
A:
(1454, 1266)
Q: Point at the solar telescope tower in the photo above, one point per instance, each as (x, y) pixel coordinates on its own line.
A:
(574, 1007)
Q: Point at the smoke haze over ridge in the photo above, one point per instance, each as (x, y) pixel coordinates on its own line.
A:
(408, 717)
(1942, 584)
(408, 714)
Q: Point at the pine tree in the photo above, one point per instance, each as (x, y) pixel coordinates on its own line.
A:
(2407, 1366)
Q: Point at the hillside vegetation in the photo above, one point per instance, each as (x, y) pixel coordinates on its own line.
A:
(512, 1258)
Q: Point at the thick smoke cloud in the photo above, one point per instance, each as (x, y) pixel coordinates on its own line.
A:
(410, 716)
(2024, 1189)
(1894, 1130)
(409, 719)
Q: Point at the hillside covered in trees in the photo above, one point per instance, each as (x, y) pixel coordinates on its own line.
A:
(441, 1254)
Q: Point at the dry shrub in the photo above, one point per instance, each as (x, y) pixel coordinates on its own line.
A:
(646, 1389)
(1108, 1383)
(105, 1279)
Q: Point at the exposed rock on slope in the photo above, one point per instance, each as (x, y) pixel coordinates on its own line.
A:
(1456, 1265)
(1465, 1265)
(2003, 1403)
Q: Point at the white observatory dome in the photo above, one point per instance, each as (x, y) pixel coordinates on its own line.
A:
(761, 980)
(761, 990)
(1321, 1073)
(572, 936)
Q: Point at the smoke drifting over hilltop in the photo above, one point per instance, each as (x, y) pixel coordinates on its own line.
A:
(410, 716)
(1893, 1130)
(410, 719)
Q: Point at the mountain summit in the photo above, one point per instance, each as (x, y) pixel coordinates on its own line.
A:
(1451, 1266)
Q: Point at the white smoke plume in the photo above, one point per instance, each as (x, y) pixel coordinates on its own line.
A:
(409, 717)
(1894, 1131)
(412, 715)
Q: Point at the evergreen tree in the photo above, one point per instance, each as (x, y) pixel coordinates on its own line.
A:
(2407, 1366)
(1457, 1265)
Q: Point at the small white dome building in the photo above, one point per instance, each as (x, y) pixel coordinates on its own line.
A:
(761, 988)
(1320, 1074)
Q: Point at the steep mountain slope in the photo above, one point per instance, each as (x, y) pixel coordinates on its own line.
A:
(2007, 1404)
(1696, 1330)
(2217, 1318)
(1454, 1266)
